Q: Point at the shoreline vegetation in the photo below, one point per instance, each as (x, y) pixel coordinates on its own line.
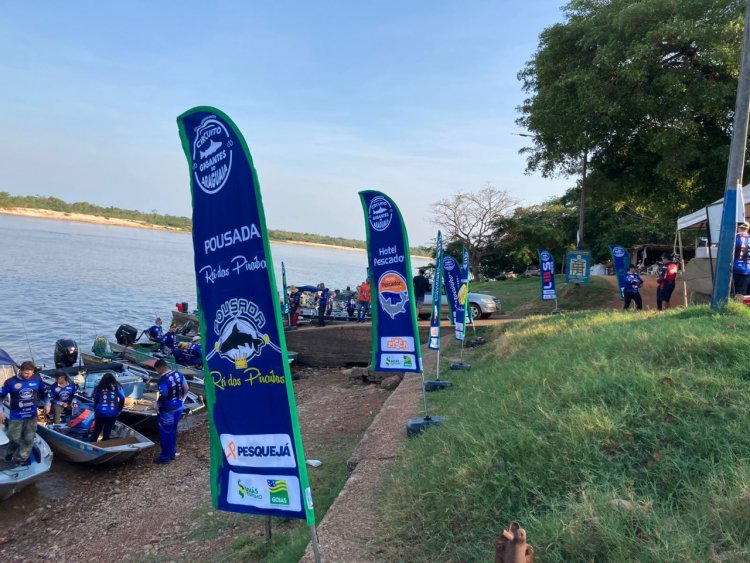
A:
(40, 207)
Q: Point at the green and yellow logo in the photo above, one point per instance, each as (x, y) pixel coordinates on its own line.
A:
(279, 494)
(251, 492)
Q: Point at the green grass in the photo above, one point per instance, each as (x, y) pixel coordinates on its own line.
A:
(522, 295)
(289, 537)
(608, 436)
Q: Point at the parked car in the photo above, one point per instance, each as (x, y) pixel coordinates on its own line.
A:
(531, 271)
(506, 276)
(482, 306)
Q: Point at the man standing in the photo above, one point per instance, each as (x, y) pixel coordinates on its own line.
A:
(26, 390)
(172, 389)
(321, 298)
(741, 263)
(363, 300)
(633, 283)
(666, 281)
(421, 286)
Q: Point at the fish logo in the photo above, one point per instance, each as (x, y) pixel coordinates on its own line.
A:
(380, 213)
(215, 146)
(239, 336)
(212, 154)
(393, 293)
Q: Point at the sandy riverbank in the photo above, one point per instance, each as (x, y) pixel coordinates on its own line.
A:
(112, 221)
(82, 218)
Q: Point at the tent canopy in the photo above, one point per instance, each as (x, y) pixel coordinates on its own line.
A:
(698, 220)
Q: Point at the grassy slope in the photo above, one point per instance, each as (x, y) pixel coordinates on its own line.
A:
(521, 295)
(609, 436)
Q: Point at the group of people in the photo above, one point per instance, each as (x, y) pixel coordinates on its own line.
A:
(357, 302)
(666, 281)
(185, 353)
(26, 391)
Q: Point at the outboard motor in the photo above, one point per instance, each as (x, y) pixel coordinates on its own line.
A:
(126, 335)
(66, 353)
(187, 328)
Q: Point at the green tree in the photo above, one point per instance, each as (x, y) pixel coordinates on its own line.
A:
(645, 90)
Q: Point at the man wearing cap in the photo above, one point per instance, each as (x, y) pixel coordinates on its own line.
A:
(26, 390)
(741, 263)
(667, 281)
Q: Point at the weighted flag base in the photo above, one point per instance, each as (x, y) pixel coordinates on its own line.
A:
(459, 366)
(478, 341)
(556, 311)
(436, 385)
(416, 426)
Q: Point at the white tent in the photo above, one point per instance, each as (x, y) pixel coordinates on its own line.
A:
(711, 215)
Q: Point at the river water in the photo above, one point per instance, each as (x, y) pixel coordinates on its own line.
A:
(62, 279)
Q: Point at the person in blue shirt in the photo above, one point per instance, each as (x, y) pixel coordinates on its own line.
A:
(109, 400)
(321, 297)
(25, 390)
(154, 332)
(172, 389)
(631, 290)
(741, 263)
(62, 396)
(167, 341)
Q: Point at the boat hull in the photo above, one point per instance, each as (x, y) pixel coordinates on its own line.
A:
(16, 478)
(97, 453)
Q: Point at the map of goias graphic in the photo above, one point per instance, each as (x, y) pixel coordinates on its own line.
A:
(279, 494)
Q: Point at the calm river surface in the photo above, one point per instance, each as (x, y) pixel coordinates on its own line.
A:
(62, 279)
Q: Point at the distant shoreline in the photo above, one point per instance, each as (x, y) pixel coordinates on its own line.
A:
(115, 222)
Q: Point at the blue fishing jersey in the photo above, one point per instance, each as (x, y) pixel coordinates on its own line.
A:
(62, 394)
(154, 333)
(171, 391)
(323, 297)
(25, 395)
(632, 283)
(109, 402)
(741, 264)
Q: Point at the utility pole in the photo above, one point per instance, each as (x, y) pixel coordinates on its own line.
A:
(579, 244)
(725, 252)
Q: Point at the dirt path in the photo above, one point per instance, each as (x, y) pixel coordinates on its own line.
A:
(140, 510)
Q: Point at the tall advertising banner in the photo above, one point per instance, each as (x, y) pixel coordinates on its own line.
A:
(547, 277)
(395, 338)
(463, 298)
(257, 459)
(621, 261)
(452, 283)
(434, 341)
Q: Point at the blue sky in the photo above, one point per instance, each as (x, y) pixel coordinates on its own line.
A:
(417, 99)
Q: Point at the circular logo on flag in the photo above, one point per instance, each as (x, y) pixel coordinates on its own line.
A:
(546, 256)
(618, 251)
(380, 213)
(212, 154)
(393, 293)
(449, 264)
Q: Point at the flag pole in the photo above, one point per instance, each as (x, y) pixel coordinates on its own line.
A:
(314, 542)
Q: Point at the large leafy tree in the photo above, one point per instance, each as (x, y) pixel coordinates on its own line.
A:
(644, 90)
